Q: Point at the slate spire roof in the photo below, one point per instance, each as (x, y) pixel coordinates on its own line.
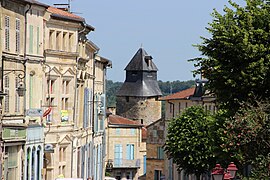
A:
(141, 61)
(141, 77)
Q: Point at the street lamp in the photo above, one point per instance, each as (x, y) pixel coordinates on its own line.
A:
(218, 172)
(109, 166)
(21, 75)
(232, 169)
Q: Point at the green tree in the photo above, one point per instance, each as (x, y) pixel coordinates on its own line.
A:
(248, 137)
(236, 56)
(191, 141)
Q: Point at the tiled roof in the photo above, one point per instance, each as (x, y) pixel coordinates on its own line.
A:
(64, 14)
(179, 95)
(119, 120)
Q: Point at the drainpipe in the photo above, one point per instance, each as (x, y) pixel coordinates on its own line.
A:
(24, 68)
(25, 53)
(93, 111)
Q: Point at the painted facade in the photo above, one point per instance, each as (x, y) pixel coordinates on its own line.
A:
(126, 148)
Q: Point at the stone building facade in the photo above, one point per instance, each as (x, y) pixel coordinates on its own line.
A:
(52, 94)
(126, 148)
(155, 154)
(137, 99)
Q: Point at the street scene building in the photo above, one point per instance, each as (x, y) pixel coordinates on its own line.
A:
(54, 121)
(52, 94)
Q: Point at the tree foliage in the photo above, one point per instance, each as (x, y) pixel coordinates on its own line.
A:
(237, 55)
(191, 141)
(248, 137)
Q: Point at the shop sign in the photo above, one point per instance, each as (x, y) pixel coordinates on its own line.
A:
(64, 115)
(34, 112)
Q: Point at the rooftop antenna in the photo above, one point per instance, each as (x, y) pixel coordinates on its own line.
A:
(67, 8)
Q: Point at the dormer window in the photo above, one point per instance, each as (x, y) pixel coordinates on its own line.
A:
(148, 60)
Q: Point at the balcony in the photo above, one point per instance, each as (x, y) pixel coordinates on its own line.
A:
(126, 163)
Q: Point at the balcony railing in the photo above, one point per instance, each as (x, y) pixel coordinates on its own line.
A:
(126, 163)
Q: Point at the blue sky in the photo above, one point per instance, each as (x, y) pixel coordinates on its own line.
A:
(165, 29)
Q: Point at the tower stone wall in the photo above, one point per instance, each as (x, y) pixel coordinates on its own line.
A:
(137, 99)
(143, 109)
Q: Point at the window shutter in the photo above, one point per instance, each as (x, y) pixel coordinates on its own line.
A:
(31, 39)
(128, 151)
(90, 106)
(37, 40)
(117, 155)
(96, 114)
(132, 151)
(86, 108)
(18, 38)
(144, 164)
(7, 33)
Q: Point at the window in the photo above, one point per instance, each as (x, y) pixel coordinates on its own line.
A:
(71, 42)
(12, 164)
(58, 40)
(87, 107)
(62, 159)
(117, 155)
(65, 91)
(6, 90)
(65, 87)
(7, 33)
(144, 164)
(18, 38)
(154, 133)
(51, 38)
(160, 153)
(186, 104)
(51, 86)
(50, 102)
(132, 131)
(127, 99)
(17, 97)
(31, 38)
(179, 108)
(117, 131)
(172, 109)
(64, 103)
(130, 151)
(157, 175)
(64, 42)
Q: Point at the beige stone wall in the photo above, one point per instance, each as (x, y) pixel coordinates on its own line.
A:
(125, 138)
(138, 108)
(13, 11)
(61, 68)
